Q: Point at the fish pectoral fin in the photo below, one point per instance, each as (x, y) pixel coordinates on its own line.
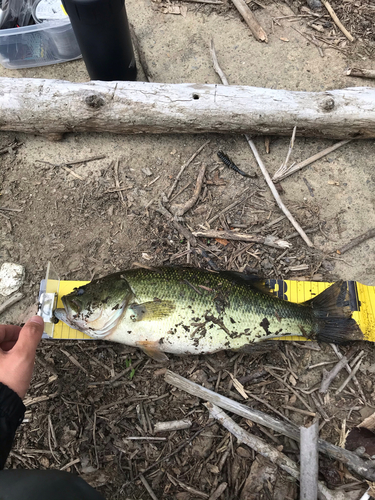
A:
(155, 309)
(152, 349)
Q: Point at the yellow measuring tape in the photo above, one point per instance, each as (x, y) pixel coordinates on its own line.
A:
(362, 303)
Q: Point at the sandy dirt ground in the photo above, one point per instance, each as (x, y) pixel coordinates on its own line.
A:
(86, 231)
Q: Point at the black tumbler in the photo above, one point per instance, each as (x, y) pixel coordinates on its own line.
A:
(102, 31)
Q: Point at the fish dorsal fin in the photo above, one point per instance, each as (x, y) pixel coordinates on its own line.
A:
(152, 349)
(251, 280)
(155, 309)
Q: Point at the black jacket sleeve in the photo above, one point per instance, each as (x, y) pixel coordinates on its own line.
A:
(12, 411)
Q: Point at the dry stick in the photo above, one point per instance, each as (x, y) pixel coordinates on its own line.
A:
(179, 209)
(255, 28)
(349, 370)
(273, 189)
(213, 2)
(345, 383)
(329, 377)
(279, 177)
(267, 451)
(336, 20)
(309, 460)
(359, 239)
(218, 492)
(11, 301)
(217, 68)
(186, 487)
(232, 205)
(353, 461)
(361, 72)
(270, 241)
(148, 487)
(117, 182)
(284, 166)
(184, 166)
(173, 425)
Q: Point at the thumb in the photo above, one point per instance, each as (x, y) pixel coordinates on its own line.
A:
(30, 335)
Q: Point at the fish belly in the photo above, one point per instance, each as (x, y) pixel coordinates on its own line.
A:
(199, 330)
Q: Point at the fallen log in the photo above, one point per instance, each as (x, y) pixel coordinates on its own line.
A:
(53, 107)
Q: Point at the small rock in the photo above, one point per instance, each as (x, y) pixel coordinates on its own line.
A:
(314, 4)
(12, 277)
(147, 171)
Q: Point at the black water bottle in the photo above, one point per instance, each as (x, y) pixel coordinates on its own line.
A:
(102, 31)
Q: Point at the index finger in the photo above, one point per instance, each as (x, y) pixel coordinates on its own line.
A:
(9, 333)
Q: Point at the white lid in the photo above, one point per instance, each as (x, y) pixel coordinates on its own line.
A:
(47, 10)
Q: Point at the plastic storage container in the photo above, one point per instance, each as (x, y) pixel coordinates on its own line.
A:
(50, 42)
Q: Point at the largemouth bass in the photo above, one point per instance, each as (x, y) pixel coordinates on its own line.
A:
(192, 311)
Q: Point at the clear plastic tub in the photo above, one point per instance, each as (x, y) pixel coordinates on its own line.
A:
(50, 42)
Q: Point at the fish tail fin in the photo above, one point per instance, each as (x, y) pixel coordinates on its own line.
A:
(335, 321)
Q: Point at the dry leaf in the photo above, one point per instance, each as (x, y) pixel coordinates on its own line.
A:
(221, 241)
(292, 380)
(183, 10)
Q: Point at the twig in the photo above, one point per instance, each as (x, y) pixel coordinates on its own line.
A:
(6, 209)
(361, 72)
(232, 205)
(179, 209)
(72, 173)
(11, 301)
(336, 20)
(141, 54)
(186, 233)
(270, 241)
(218, 492)
(267, 451)
(73, 360)
(309, 462)
(217, 68)
(358, 240)
(255, 28)
(85, 160)
(276, 194)
(117, 182)
(353, 461)
(148, 487)
(354, 371)
(186, 487)
(282, 175)
(284, 166)
(329, 377)
(349, 370)
(185, 165)
(213, 2)
(173, 425)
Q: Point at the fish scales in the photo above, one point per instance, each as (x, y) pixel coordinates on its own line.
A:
(192, 311)
(212, 312)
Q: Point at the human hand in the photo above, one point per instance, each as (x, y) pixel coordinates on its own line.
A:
(17, 353)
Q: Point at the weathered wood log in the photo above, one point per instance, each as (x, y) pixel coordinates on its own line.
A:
(55, 107)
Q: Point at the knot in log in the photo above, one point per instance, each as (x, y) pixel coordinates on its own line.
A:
(95, 101)
(328, 104)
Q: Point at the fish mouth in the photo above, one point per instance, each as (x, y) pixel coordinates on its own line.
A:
(61, 315)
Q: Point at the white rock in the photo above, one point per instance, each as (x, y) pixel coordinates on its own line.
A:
(12, 277)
